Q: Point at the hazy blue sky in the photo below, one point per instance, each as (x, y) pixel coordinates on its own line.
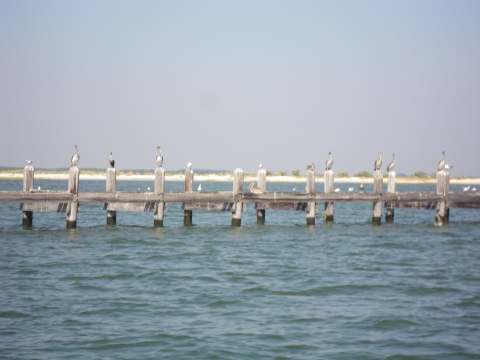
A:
(227, 84)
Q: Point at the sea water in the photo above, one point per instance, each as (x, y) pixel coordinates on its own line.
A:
(344, 290)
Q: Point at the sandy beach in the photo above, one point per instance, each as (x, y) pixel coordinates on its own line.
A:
(229, 178)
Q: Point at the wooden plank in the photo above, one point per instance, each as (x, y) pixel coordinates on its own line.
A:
(422, 205)
(301, 206)
(208, 206)
(133, 207)
(47, 207)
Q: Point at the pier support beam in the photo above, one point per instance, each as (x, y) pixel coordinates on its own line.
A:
(262, 185)
(188, 214)
(311, 190)
(328, 188)
(159, 189)
(440, 210)
(389, 208)
(73, 176)
(377, 206)
(237, 190)
(28, 176)
(111, 187)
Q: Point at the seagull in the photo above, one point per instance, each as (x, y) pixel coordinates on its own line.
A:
(378, 163)
(448, 167)
(294, 190)
(361, 187)
(474, 189)
(39, 188)
(148, 189)
(29, 162)
(336, 190)
(329, 161)
(311, 166)
(138, 190)
(260, 166)
(75, 156)
(391, 165)
(199, 187)
(466, 188)
(159, 157)
(441, 163)
(254, 190)
(189, 165)
(112, 160)
(350, 189)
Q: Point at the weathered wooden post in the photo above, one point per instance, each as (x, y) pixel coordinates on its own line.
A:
(329, 179)
(73, 176)
(377, 206)
(389, 207)
(441, 187)
(446, 218)
(111, 187)
(159, 189)
(311, 190)
(237, 190)
(262, 185)
(28, 176)
(188, 214)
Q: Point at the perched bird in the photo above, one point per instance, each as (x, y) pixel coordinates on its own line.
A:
(199, 187)
(254, 190)
(329, 162)
(336, 190)
(75, 156)
(138, 190)
(474, 189)
(448, 167)
(159, 157)
(112, 160)
(441, 163)
(311, 166)
(466, 188)
(148, 189)
(39, 188)
(361, 187)
(260, 166)
(350, 189)
(391, 165)
(294, 190)
(378, 163)
(189, 165)
(29, 162)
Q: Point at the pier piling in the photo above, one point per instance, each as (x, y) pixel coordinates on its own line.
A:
(73, 176)
(311, 190)
(377, 205)
(159, 189)
(188, 214)
(237, 190)
(389, 207)
(28, 177)
(262, 185)
(329, 179)
(111, 187)
(441, 205)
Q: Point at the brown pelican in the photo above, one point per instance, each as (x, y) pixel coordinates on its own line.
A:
(75, 156)
(441, 163)
(254, 190)
(391, 165)
(311, 166)
(112, 160)
(159, 158)
(329, 161)
(378, 163)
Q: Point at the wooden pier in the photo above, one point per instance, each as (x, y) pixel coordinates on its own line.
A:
(234, 201)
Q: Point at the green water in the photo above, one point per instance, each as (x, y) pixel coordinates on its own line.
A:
(346, 290)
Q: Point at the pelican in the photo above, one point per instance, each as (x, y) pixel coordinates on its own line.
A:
(350, 189)
(199, 187)
(29, 162)
(254, 190)
(159, 157)
(391, 165)
(378, 163)
(189, 165)
(311, 166)
(329, 162)
(112, 160)
(466, 188)
(336, 190)
(75, 156)
(441, 163)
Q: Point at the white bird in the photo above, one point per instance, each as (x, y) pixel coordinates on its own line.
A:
(361, 187)
(441, 163)
(474, 189)
(39, 188)
(200, 187)
(336, 190)
(111, 160)
(159, 157)
(448, 167)
(329, 162)
(391, 165)
(75, 156)
(29, 162)
(378, 163)
(350, 189)
(189, 165)
(260, 166)
(138, 190)
(294, 190)
(148, 189)
(466, 188)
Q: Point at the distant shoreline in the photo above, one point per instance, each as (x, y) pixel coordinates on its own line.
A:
(229, 178)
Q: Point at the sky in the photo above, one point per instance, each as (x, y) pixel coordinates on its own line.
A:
(228, 84)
